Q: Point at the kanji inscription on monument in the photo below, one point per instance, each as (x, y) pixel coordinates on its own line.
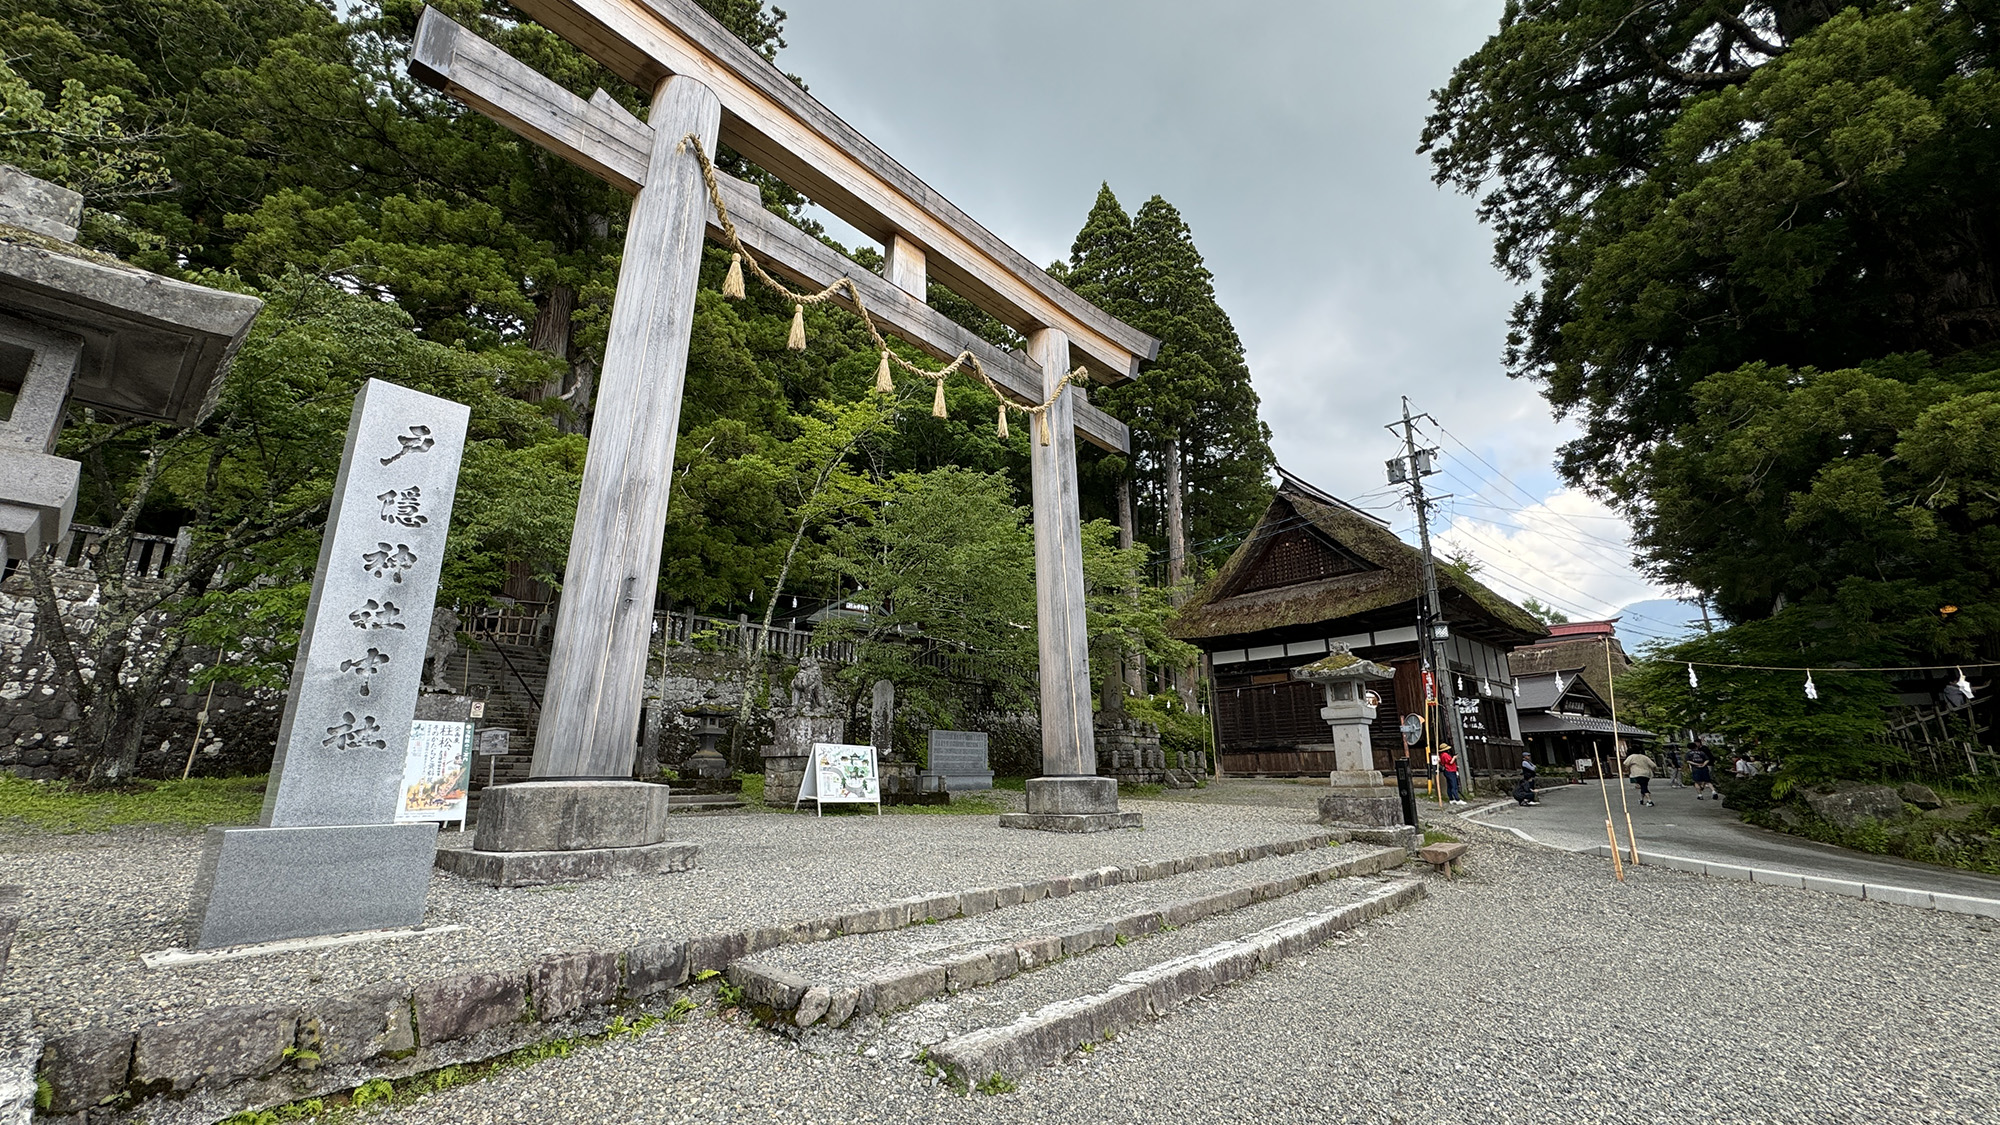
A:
(339, 762)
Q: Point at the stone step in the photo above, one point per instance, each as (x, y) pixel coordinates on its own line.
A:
(1151, 979)
(703, 802)
(875, 973)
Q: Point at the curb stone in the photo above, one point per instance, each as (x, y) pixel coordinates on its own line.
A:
(1874, 892)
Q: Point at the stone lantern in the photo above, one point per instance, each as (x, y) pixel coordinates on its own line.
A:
(80, 326)
(1350, 708)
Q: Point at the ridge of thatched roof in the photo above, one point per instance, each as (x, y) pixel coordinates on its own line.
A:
(1586, 654)
(1216, 610)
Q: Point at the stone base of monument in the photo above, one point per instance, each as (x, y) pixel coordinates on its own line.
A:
(1072, 804)
(269, 884)
(560, 830)
(1362, 808)
(1356, 779)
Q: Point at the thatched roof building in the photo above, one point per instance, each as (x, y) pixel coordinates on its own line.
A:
(1316, 571)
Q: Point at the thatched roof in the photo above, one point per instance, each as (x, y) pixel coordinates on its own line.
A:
(1584, 654)
(1389, 574)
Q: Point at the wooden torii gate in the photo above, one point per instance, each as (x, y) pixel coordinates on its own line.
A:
(708, 83)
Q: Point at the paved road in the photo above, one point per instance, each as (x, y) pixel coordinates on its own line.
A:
(1572, 817)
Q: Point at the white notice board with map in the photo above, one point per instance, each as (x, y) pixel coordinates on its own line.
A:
(839, 774)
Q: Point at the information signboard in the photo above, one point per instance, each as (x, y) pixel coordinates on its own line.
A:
(840, 773)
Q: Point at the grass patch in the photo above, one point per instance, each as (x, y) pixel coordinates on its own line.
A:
(1433, 836)
(1017, 784)
(58, 806)
(753, 788)
(971, 804)
(1143, 789)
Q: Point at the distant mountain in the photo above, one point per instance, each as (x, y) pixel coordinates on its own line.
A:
(1641, 622)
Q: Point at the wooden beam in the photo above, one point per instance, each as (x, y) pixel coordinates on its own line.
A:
(770, 120)
(903, 267)
(597, 135)
(602, 137)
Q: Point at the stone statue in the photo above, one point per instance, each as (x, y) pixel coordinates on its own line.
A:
(442, 646)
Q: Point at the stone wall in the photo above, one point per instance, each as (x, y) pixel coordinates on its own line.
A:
(39, 722)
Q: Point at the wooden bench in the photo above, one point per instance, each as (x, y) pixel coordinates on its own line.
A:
(1443, 857)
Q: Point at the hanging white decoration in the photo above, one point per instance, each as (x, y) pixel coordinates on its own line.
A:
(1964, 686)
(1811, 691)
(1693, 682)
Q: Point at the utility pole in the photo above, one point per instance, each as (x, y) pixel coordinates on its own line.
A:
(1411, 468)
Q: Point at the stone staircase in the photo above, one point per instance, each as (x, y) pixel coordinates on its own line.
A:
(994, 995)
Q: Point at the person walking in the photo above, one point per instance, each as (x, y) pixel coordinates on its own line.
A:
(1704, 779)
(1640, 769)
(1673, 756)
(1448, 765)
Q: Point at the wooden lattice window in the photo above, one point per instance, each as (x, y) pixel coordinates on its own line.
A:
(1298, 556)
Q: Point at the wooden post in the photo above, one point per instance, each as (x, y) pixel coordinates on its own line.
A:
(903, 267)
(1069, 739)
(597, 665)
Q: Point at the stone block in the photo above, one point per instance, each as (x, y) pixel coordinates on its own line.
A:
(86, 1068)
(220, 1046)
(1009, 895)
(1966, 904)
(1086, 938)
(778, 989)
(533, 869)
(841, 1004)
(654, 967)
(465, 1006)
(715, 952)
(768, 937)
(571, 982)
(37, 205)
(560, 816)
(1034, 892)
(876, 919)
(1072, 795)
(1362, 809)
(1004, 961)
(269, 884)
(1901, 896)
(1849, 807)
(354, 1027)
(1727, 871)
(1922, 796)
(1072, 822)
(981, 901)
(1138, 925)
(935, 908)
(1759, 875)
(1847, 887)
(816, 1002)
(1059, 887)
(968, 970)
(902, 986)
(1035, 952)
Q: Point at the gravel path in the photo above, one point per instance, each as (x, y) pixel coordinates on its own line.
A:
(1534, 990)
(93, 903)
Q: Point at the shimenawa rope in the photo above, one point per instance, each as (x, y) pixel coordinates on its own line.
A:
(733, 289)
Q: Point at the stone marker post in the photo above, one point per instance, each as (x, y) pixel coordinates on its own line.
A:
(328, 857)
(1070, 797)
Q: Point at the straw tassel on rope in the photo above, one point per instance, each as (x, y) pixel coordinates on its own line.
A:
(884, 383)
(732, 285)
(1042, 424)
(797, 340)
(1001, 429)
(937, 404)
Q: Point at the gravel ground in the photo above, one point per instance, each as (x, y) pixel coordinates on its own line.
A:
(1533, 990)
(93, 903)
(847, 960)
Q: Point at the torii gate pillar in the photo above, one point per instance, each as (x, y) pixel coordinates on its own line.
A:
(1070, 797)
(581, 813)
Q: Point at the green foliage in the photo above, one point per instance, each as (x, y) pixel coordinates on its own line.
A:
(190, 805)
(994, 1084)
(373, 1091)
(1547, 615)
(1181, 731)
(1433, 836)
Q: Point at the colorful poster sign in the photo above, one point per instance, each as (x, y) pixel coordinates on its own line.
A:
(435, 772)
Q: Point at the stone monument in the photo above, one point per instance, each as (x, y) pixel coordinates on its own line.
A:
(959, 761)
(808, 717)
(1359, 799)
(78, 327)
(327, 856)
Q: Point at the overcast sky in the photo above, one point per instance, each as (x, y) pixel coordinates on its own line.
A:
(1286, 134)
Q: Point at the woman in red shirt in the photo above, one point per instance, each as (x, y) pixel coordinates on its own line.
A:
(1448, 762)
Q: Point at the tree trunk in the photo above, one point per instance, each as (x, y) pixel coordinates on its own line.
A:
(554, 313)
(1177, 552)
(1133, 665)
